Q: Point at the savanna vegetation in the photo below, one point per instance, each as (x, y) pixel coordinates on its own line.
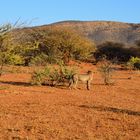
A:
(51, 46)
(30, 111)
(61, 45)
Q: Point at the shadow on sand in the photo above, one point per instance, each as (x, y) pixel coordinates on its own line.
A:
(16, 83)
(112, 109)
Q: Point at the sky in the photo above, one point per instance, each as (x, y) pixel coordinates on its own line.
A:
(40, 12)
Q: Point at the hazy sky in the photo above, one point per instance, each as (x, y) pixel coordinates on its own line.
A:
(49, 11)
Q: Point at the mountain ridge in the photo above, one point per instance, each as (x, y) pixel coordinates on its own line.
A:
(99, 31)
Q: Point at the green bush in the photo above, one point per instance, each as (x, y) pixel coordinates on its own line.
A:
(61, 75)
(15, 60)
(39, 76)
(55, 76)
(134, 63)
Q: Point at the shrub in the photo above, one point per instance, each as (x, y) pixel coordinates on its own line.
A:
(56, 76)
(15, 59)
(39, 60)
(105, 68)
(134, 63)
(61, 74)
(39, 76)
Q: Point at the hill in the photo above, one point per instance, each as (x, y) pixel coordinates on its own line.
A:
(98, 31)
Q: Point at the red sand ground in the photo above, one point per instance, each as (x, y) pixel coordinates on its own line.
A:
(57, 113)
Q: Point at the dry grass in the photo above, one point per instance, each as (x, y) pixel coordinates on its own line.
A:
(57, 113)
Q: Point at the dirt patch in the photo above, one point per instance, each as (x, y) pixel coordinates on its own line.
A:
(57, 113)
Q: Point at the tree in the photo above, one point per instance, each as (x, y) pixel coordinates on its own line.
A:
(5, 50)
(51, 45)
(27, 51)
(66, 44)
